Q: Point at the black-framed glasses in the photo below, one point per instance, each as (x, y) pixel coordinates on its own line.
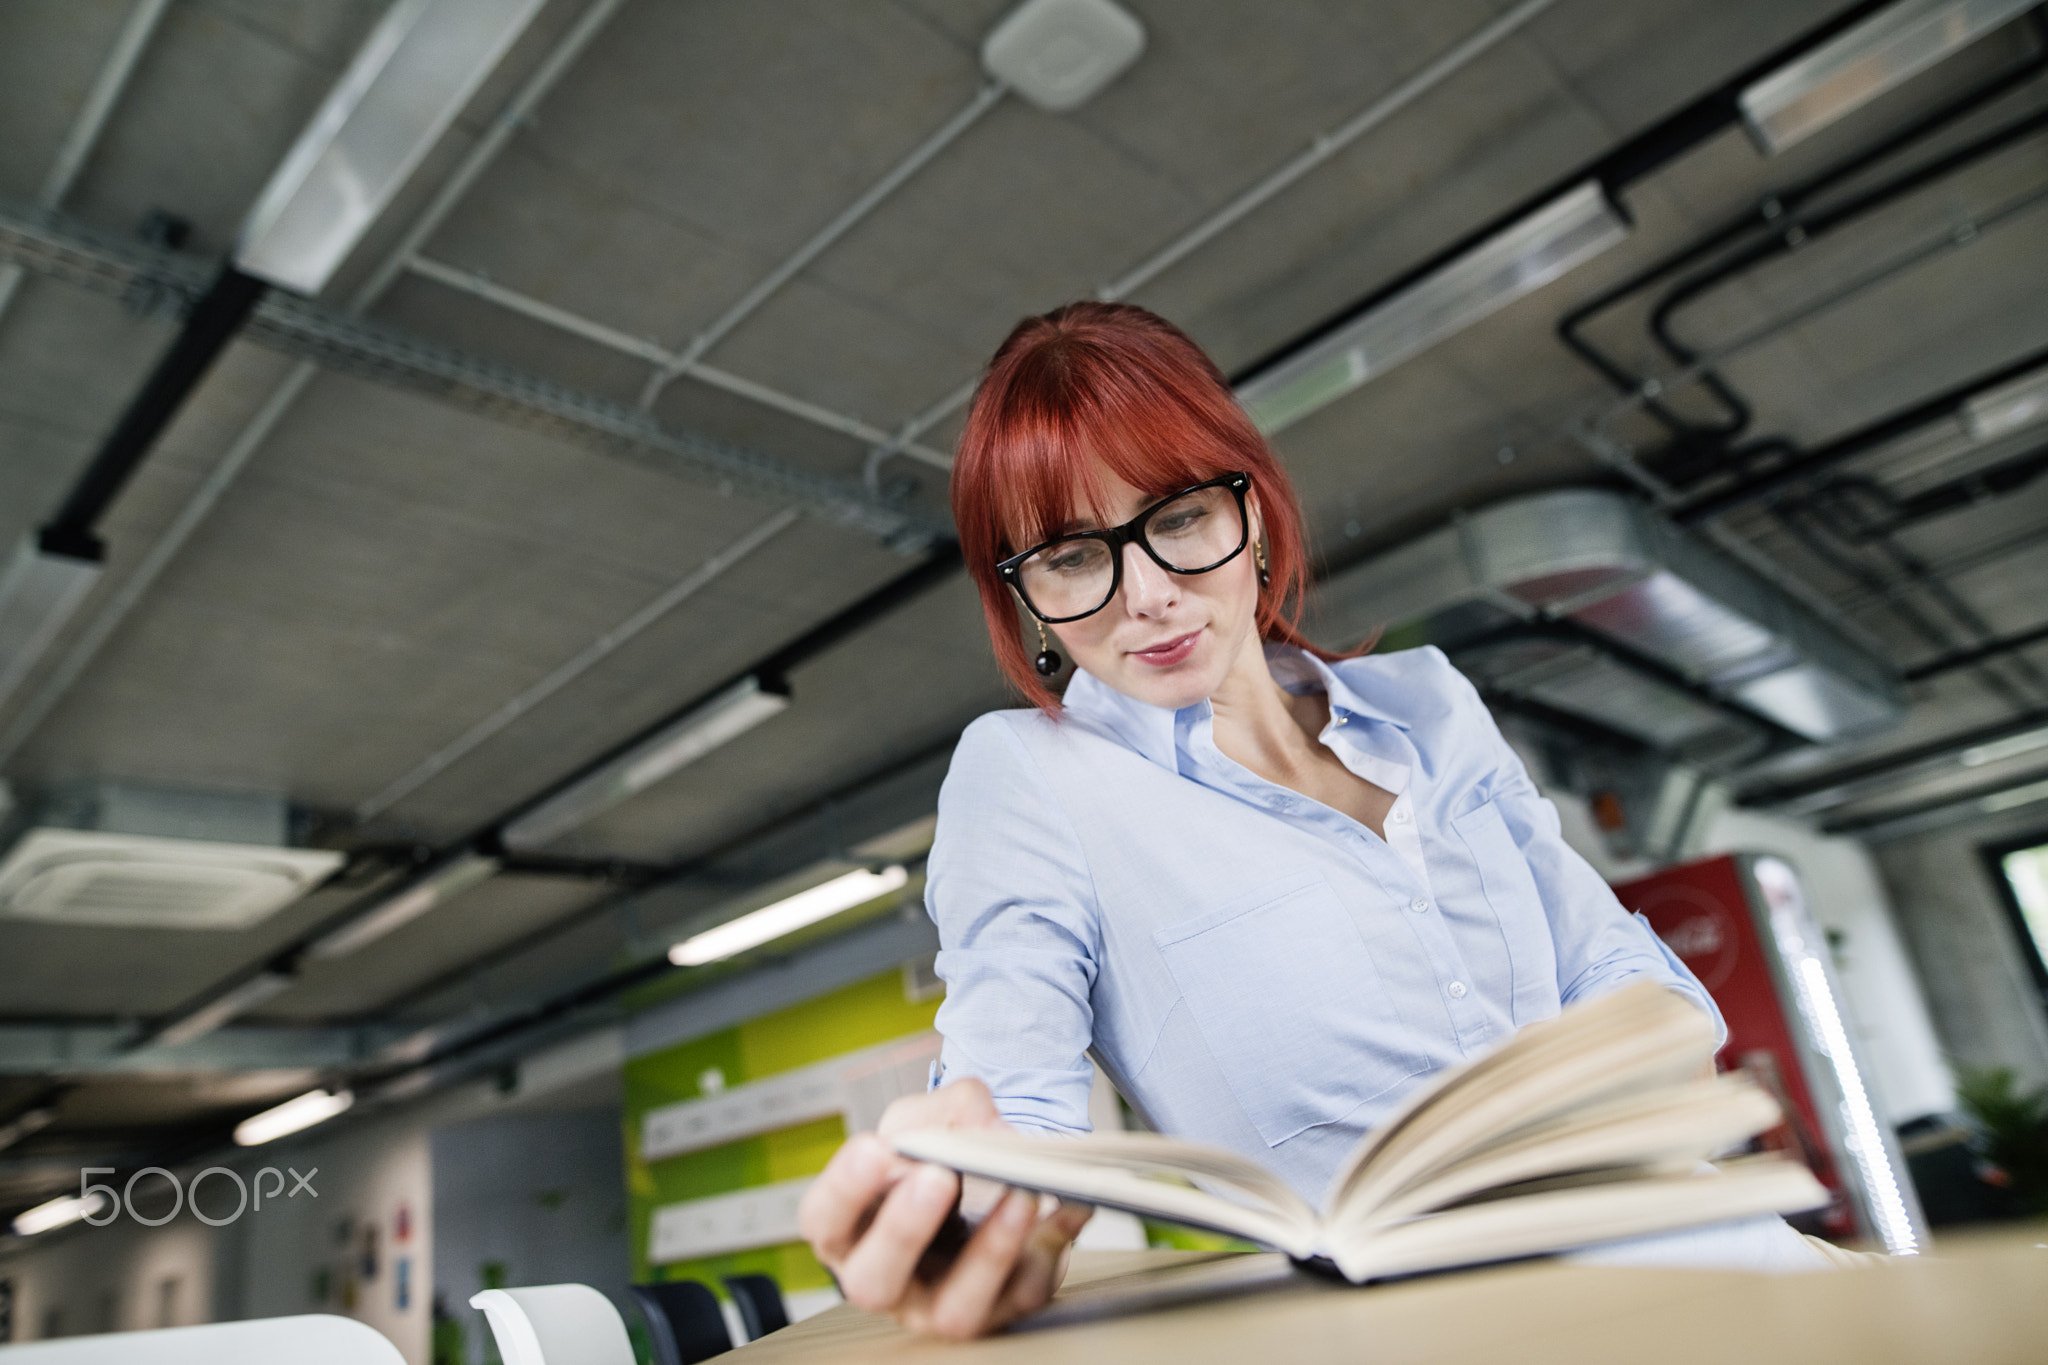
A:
(1189, 532)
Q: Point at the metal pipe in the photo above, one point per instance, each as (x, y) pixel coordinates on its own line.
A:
(1321, 148)
(1324, 146)
(135, 585)
(1956, 238)
(985, 99)
(1988, 799)
(1975, 654)
(84, 134)
(915, 427)
(478, 286)
(1841, 784)
(1768, 215)
(1793, 233)
(575, 667)
(1803, 464)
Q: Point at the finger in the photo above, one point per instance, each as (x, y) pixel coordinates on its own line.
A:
(1043, 1263)
(837, 1205)
(962, 1302)
(875, 1273)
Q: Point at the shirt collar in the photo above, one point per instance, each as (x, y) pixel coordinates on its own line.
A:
(1152, 731)
(1297, 670)
(1138, 725)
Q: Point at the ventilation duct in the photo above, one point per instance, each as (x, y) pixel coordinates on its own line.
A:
(1591, 604)
(129, 857)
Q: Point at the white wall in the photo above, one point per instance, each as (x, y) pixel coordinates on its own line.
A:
(117, 1278)
(542, 1195)
(363, 1248)
(1949, 906)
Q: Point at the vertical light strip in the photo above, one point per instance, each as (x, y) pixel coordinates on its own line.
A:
(1808, 976)
(1866, 1142)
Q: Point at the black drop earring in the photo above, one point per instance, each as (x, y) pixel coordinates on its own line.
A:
(1259, 558)
(1048, 661)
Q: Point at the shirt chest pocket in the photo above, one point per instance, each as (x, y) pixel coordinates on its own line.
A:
(1286, 995)
(1511, 893)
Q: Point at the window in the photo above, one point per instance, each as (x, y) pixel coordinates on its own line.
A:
(2026, 878)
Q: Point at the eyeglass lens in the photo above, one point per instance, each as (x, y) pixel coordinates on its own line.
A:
(1195, 532)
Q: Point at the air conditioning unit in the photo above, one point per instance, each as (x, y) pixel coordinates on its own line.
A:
(118, 856)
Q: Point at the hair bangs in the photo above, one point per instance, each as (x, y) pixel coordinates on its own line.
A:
(1106, 390)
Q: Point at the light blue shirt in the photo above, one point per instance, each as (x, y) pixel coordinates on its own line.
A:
(1252, 968)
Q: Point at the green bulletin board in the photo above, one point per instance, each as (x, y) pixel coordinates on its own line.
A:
(853, 1017)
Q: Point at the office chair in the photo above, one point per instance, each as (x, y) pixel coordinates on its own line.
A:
(555, 1324)
(759, 1300)
(684, 1323)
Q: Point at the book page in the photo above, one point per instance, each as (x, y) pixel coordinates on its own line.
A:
(1565, 1219)
(1126, 1177)
(1639, 1035)
(1683, 1125)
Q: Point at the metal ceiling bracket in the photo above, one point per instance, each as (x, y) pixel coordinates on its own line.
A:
(53, 246)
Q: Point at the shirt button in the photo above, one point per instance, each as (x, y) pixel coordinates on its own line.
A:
(1401, 816)
(1457, 990)
(1418, 905)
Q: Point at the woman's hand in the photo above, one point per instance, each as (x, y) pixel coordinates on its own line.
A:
(873, 1215)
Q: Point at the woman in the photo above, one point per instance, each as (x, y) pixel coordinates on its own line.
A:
(1269, 888)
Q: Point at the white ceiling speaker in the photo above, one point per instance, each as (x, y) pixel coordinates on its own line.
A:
(1058, 54)
(113, 856)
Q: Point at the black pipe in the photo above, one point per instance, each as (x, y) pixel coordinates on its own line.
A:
(1802, 464)
(938, 566)
(1975, 654)
(1792, 234)
(1859, 510)
(1778, 794)
(1856, 824)
(1770, 215)
(216, 316)
(1648, 151)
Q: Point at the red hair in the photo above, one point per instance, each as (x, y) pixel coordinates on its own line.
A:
(1106, 385)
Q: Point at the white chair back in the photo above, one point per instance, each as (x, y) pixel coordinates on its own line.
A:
(555, 1324)
(314, 1339)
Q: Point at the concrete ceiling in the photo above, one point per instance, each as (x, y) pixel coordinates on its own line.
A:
(389, 570)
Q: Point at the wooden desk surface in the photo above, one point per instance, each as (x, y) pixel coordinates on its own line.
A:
(1980, 1299)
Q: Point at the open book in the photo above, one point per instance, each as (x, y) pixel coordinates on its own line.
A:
(1586, 1128)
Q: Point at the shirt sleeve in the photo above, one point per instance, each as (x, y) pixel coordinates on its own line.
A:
(1600, 946)
(1008, 887)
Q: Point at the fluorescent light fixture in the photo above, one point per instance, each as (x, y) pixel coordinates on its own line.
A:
(443, 882)
(2012, 799)
(412, 76)
(1058, 53)
(1987, 415)
(787, 916)
(725, 717)
(1518, 260)
(27, 1125)
(222, 1008)
(38, 593)
(315, 1106)
(1804, 96)
(60, 1212)
(2010, 747)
